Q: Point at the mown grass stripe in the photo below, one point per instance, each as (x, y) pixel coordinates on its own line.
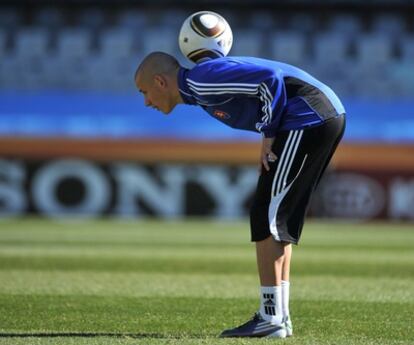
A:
(184, 282)
(204, 264)
(194, 317)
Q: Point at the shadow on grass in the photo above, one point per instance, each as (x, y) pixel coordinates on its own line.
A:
(92, 335)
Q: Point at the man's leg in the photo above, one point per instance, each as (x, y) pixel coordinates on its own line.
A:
(270, 261)
(286, 262)
(268, 322)
(286, 290)
(273, 263)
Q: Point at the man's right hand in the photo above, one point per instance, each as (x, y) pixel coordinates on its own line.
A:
(267, 154)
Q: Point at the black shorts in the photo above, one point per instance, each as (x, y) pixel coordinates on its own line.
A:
(283, 193)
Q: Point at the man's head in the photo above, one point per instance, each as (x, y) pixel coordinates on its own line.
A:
(156, 79)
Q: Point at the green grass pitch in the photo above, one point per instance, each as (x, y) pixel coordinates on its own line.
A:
(183, 282)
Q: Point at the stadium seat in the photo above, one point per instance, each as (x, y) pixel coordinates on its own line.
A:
(346, 24)
(172, 19)
(31, 41)
(302, 23)
(74, 42)
(332, 47)
(116, 42)
(377, 78)
(160, 40)
(407, 48)
(402, 74)
(99, 67)
(374, 49)
(70, 59)
(263, 20)
(30, 49)
(51, 54)
(68, 72)
(10, 18)
(112, 73)
(334, 74)
(92, 18)
(3, 43)
(250, 45)
(53, 77)
(133, 19)
(9, 72)
(391, 24)
(22, 68)
(289, 46)
(33, 75)
(50, 18)
(122, 79)
(76, 75)
(378, 88)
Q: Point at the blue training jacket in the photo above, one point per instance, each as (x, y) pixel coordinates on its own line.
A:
(258, 95)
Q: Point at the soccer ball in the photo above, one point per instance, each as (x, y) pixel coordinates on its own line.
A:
(205, 35)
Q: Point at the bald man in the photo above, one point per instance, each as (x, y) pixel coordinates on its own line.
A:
(301, 122)
(156, 79)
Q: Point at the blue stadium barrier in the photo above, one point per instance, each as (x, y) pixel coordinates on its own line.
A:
(124, 116)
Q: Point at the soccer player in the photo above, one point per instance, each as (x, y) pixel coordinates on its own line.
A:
(301, 121)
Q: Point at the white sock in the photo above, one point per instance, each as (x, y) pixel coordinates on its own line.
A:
(285, 298)
(271, 303)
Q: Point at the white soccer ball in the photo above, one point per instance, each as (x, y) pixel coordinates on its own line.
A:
(205, 35)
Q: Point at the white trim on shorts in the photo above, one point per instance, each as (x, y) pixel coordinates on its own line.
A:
(279, 185)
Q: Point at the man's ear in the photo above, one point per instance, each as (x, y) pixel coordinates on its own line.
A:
(160, 80)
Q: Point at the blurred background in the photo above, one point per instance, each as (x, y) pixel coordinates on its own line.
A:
(76, 139)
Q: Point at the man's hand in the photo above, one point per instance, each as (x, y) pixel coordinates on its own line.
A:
(267, 155)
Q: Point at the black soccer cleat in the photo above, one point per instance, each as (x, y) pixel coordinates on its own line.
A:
(257, 327)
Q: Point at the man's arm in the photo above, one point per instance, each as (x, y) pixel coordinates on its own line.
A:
(229, 78)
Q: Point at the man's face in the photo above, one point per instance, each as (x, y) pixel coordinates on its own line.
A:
(156, 92)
